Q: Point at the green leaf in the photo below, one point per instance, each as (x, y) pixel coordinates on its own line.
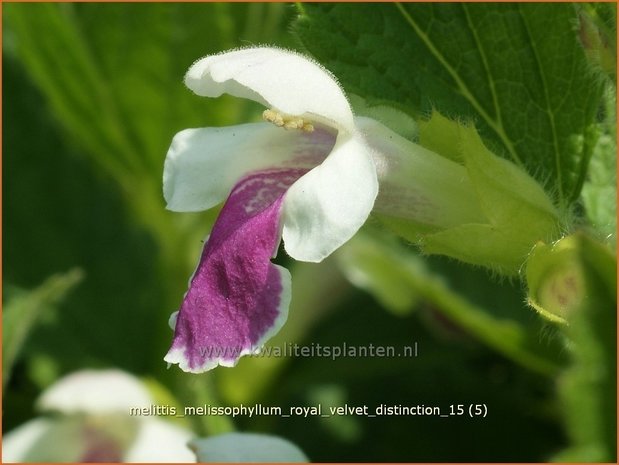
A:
(600, 189)
(598, 26)
(23, 312)
(113, 76)
(517, 70)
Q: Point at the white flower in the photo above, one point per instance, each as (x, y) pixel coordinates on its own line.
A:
(323, 208)
(305, 175)
(93, 424)
(309, 175)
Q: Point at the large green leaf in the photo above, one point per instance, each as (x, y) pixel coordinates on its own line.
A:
(517, 70)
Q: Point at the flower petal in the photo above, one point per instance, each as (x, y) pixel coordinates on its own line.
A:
(95, 391)
(246, 447)
(284, 80)
(237, 298)
(17, 444)
(417, 185)
(202, 165)
(64, 439)
(328, 205)
(160, 441)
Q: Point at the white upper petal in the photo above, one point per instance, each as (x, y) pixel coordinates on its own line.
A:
(281, 79)
(93, 391)
(203, 165)
(328, 205)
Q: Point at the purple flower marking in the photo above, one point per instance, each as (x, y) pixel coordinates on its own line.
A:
(237, 298)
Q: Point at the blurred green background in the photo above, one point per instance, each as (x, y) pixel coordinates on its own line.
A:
(92, 95)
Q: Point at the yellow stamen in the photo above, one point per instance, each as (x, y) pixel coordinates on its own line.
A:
(287, 121)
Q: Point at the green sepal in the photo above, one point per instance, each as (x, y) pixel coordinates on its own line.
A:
(490, 212)
(557, 276)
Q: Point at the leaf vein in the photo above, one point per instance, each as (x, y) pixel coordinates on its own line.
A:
(548, 109)
(496, 126)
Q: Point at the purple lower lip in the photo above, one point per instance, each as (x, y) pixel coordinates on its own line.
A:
(237, 298)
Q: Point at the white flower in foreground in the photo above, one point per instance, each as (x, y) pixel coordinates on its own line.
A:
(93, 424)
(246, 447)
(305, 175)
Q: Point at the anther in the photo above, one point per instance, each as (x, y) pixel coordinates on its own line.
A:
(286, 121)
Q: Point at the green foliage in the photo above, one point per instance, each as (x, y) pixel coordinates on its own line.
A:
(411, 280)
(94, 57)
(588, 389)
(533, 80)
(101, 85)
(113, 77)
(600, 188)
(452, 367)
(62, 212)
(385, 276)
(597, 30)
(517, 70)
(557, 276)
(23, 311)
